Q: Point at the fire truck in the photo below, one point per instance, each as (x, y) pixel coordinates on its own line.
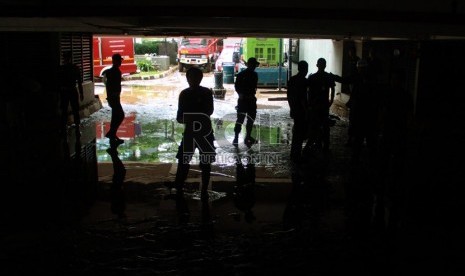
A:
(105, 46)
(199, 52)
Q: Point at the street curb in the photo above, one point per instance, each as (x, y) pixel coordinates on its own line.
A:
(158, 76)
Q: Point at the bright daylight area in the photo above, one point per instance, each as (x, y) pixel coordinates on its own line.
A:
(154, 74)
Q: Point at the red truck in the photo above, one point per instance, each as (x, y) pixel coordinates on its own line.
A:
(105, 46)
(199, 52)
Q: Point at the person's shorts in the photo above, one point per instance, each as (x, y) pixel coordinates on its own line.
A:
(205, 146)
(247, 105)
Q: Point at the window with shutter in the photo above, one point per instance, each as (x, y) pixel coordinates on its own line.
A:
(79, 44)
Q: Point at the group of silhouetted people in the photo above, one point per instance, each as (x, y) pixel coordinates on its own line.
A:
(195, 106)
(71, 91)
(194, 109)
(380, 117)
(372, 108)
(372, 114)
(309, 100)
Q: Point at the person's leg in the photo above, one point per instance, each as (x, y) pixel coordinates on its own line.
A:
(184, 157)
(207, 155)
(237, 128)
(205, 166)
(357, 137)
(181, 174)
(325, 131)
(298, 132)
(111, 133)
(74, 101)
(117, 117)
(372, 142)
(350, 135)
(313, 133)
(251, 115)
(64, 104)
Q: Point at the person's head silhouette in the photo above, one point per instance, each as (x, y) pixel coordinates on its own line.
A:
(252, 63)
(302, 66)
(194, 76)
(321, 64)
(117, 59)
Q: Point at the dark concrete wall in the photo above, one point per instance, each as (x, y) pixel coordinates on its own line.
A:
(35, 161)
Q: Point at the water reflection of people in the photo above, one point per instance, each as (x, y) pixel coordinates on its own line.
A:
(206, 216)
(206, 225)
(129, 129)
(118, 202)
(182, 210)
(293, 213)
(75, 174)
(309, 195)
(244, 191)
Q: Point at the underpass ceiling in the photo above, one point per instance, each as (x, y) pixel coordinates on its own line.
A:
(295, 19)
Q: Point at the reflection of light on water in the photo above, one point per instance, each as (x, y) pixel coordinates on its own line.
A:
(212, 195)
(169, 157)
(164, 147)
(158, 141)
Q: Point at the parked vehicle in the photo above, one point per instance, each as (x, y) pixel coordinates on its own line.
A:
(227, 56)
(105, 46)
(198, 52)
(230, 53)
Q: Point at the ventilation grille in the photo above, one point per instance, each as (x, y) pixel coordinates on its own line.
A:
(79, 44)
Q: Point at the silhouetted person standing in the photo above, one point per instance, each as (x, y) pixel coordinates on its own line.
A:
(397, 119)
(297, 88)
(194, 109)
(112, 80)
(246, 87)
(397, 115)
(375, 66)
(352, 60)
(321, 96)
(71, 91)
(364, 110)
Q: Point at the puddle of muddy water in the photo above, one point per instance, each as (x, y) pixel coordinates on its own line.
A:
(152, 134)
(158, 140)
